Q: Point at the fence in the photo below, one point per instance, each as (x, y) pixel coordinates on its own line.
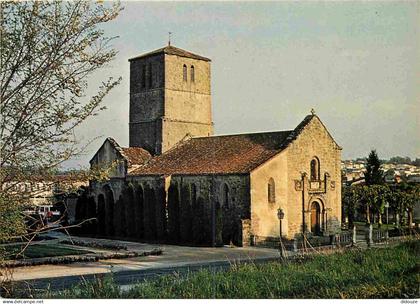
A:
(379, 236)
(367, 236)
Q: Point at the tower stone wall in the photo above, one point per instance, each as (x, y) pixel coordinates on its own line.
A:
(147, 102)
(166, 106)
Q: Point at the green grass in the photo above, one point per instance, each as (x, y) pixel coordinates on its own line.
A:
(374, 273)
(38, 251)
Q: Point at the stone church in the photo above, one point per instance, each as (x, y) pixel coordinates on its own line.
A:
(179, 183)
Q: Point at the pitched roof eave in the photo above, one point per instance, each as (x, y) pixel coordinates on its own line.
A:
(108, 139)
(171, 50)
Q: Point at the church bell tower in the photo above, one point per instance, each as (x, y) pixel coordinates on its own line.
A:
(170, 98)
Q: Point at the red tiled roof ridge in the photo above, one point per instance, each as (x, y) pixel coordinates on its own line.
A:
(171, 50)
(241, 134)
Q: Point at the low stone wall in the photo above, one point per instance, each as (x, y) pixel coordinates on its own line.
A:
(341, 239)
(69, 259)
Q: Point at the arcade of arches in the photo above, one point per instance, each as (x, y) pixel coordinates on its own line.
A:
(182, 214)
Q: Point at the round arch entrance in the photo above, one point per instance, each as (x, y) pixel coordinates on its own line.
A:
(109, 210)
(101, 215)
(315, 217)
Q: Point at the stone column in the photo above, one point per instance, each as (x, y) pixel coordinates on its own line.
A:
(370, 236)
(354, 238)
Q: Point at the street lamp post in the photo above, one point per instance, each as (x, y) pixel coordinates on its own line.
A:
(387, 221)
(280, 215)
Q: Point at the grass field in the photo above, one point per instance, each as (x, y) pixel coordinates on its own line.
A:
(374, 273)
(38, 251)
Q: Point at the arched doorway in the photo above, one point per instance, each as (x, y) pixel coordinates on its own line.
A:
(315, 218)
(130, 212)
(139, 211)
(121, 214)
(149, 213)
(109, 210)
(173, 213)
(101, 215)
(91, 214)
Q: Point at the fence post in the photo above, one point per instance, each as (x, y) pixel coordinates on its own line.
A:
(354, 238)
(370, 238)
(295, 247)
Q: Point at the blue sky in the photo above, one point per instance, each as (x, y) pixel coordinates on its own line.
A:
(356, 63)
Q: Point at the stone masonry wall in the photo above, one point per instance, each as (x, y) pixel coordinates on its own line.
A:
(164, 111)
(108, 158)
(225, 214)
(264, 221)
(314, 141)
(187, 103)
(147, 102)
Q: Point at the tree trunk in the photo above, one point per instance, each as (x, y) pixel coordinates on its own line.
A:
(367, 214)
(379, 219)
(410, 218)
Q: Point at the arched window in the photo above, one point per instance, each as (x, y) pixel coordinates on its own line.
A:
(226, 196)
(150, 78)
(143, 77)
(271, 191)
(185, 73)
(315, 169)
(192, 74)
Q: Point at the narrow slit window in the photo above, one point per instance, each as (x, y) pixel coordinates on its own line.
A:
(271, 191)
(193, 194)
(192, 74)
(150, 76)
(185, 73)
(143, 77)
(226, 196)
(315, 169)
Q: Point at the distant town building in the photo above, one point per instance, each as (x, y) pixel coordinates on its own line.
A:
(353, 172)
(40, 194)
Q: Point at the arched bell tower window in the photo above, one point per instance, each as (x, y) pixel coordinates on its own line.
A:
(315, 169)
(192, 74)
(271, 191)
(184, 73)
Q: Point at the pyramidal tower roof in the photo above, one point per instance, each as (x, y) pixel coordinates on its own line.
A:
(171, 50)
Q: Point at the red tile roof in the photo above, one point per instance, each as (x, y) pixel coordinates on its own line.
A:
(135, 156)
(171, 50)
(217, 154)
(228, 154)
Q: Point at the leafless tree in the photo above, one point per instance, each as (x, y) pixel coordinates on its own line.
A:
(48, 51)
